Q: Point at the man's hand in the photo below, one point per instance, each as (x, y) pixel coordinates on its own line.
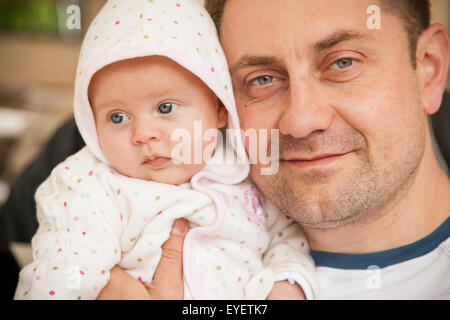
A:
(167, 281)
(283, 290)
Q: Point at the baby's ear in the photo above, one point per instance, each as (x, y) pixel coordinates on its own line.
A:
(222, 115)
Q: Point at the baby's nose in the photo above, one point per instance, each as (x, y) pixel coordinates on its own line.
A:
(144, 132)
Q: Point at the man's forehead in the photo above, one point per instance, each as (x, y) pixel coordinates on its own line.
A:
(301, 9)
(309, 25)
(328, 42)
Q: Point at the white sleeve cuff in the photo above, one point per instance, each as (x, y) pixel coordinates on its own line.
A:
(301, 280)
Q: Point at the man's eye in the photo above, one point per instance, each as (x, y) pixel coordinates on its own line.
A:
(119, 117)
(261, 81)
(343, 63)
(168, 107)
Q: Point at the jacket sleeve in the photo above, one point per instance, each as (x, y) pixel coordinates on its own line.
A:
(76, 243)
(288, 253)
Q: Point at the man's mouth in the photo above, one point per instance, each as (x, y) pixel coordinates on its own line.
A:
(318, 160)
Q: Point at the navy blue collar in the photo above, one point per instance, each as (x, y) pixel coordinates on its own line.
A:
(383, 258)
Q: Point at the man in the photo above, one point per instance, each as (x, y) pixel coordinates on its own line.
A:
(357, 169)
(350, 100)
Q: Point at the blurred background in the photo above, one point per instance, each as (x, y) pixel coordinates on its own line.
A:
(39, 46)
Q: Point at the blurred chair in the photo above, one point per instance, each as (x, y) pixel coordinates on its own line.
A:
(9, 269)
(18, 215)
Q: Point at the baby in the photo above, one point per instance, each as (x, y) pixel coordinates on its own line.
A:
(146, 70)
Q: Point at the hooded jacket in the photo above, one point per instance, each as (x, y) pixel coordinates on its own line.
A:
(181, 30)
(222, 255)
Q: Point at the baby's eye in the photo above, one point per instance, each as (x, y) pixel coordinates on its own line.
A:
(167, 107)
(119, 117)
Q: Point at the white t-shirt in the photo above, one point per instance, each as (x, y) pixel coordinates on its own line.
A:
(420, 270)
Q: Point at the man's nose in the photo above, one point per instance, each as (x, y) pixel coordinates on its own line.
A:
(146, 131)
(307, 110)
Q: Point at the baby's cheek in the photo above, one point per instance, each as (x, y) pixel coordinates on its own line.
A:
(120, 158)
(202, 145)
(209, 147)
(182, 173)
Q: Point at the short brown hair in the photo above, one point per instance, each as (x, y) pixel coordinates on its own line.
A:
(415, 15)
(215, 9)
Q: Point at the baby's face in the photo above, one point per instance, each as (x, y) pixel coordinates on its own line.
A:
(138, 103)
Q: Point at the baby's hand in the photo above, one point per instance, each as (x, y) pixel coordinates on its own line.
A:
(283, 290)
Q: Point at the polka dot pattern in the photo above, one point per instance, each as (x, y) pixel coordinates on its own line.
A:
(92, 218)
(181, 30)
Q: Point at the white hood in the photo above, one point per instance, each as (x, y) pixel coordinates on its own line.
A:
(181, 30)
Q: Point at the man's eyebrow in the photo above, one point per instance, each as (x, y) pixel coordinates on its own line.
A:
(329, 42)
(251, 61)
(338, 37)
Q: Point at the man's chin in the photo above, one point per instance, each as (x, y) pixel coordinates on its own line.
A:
(303, 179)
(318, 198)
(321, 223)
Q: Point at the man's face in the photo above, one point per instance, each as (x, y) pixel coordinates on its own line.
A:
(345, 99)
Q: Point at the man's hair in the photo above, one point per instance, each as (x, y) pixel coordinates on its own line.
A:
(415, 15)
(215, 9)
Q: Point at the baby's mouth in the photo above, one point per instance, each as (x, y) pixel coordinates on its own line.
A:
(156, 161)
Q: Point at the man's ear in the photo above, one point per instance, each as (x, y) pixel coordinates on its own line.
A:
(222, 115)
(433, 59)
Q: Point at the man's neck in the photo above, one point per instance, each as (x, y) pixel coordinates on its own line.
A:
(415, 213)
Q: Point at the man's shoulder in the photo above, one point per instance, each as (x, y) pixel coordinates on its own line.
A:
(422, 277)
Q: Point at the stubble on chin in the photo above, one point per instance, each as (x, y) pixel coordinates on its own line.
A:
(326, 198)
(318, 201)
